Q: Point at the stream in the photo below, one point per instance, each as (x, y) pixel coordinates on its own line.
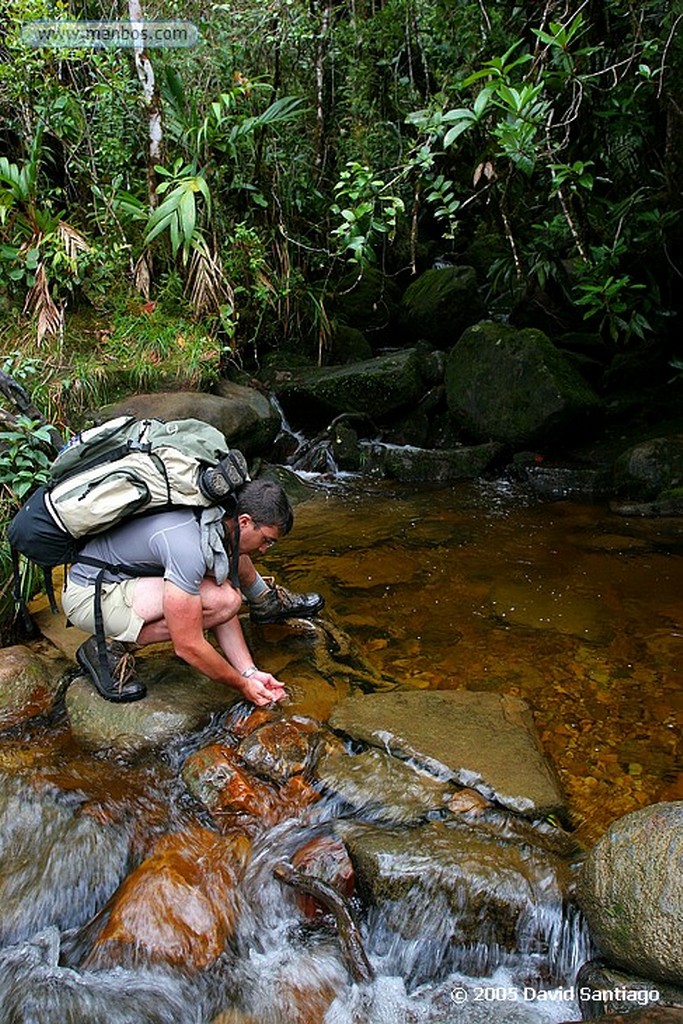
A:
(479, 586)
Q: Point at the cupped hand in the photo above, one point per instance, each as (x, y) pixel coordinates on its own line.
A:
(261, 688)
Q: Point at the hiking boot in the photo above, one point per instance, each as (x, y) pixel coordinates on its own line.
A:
(124, 686)
(277, 604)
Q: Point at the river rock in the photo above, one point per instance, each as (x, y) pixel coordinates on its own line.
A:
(381, 787)
(631, 891)
(647, 469)
(178, 906)
(244, 415)
(515, 387)
(375, 388)
(450, 886)
(179, 700)
(279, 750)
(34, 986)
(217, 777)
(327, 858)
(440, 304)
(425, 465)
(554, 607)
(482, 740)
(29, 684)
(651, 1014)
(602, 987)
(57, 865)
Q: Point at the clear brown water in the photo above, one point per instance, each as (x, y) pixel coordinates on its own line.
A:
(567, 605)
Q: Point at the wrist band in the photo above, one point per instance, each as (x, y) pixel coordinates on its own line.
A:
(249, 671)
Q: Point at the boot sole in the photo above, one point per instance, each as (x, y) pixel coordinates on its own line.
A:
(113, 697)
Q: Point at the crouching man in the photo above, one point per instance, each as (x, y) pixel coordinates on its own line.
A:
(190, 593)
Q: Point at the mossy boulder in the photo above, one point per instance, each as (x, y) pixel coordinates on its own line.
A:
(368, 302)
(440, 304)
(646, 470)
(376, 387)
(425, 465)
(515, 387)
(29, 684)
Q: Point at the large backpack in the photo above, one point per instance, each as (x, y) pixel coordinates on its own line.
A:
(119, 469)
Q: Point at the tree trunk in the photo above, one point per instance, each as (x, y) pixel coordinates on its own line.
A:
(150, 93)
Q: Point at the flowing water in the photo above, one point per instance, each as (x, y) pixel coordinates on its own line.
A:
(479, 586)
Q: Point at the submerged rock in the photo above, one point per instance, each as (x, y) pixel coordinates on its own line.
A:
(631, 891)
(458, 887)
(381, 787)
(279, 750)
(555, 607)
(179, 906)
(481, 740)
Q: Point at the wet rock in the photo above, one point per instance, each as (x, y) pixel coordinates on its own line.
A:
(418, 465)
(440, 304)
(348, 345)
(246, 416)
(327, 858)
(35, 987)
(457, 885)
(555, 607)
(281, 749)
(515, 387)
(29, 684)
(57, 866)
(565, 483)
(659, 508)
(631, 891)
(604, 990)
(379, 386)
(647, 469)
(645, 1015)
(481, 740)
(218, 778)
(179, 700)
(381, 787)
(178, 906)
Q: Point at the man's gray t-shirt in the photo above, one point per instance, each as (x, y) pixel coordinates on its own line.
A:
(167, 541)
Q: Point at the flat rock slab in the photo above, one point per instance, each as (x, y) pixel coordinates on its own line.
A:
(482, 740)
(179, 700)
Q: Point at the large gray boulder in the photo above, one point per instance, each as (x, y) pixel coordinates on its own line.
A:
(482, 740)
(375, 388)
(440, 304)
(514, 386)
(631, 892)
(248, 419)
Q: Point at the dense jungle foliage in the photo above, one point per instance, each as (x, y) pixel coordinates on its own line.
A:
(168, 214)
(235, 186)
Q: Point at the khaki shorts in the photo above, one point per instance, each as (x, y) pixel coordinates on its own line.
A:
(120, 621)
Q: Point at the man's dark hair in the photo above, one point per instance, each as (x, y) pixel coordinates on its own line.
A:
(267, 504)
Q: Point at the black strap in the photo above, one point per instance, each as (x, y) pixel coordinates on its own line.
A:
(20, 608)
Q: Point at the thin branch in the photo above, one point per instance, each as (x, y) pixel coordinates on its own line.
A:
(665, 54)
